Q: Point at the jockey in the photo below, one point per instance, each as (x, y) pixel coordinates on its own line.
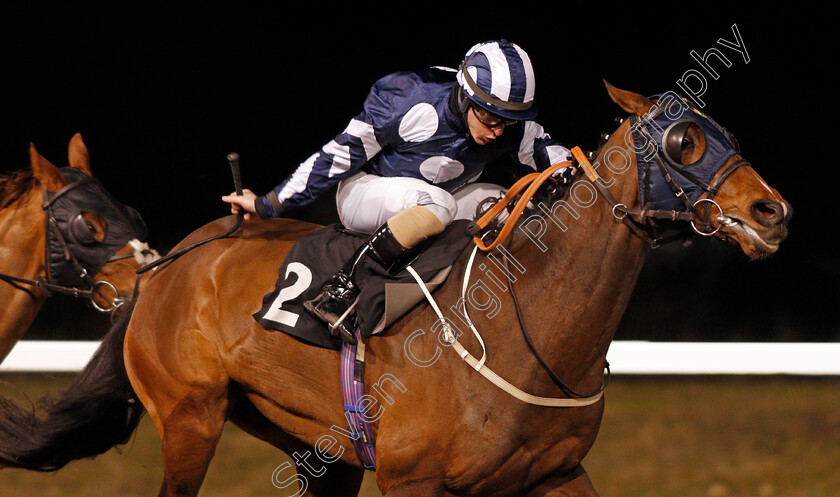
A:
(406, 166)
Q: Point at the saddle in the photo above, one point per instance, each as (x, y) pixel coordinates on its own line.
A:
(384, 297)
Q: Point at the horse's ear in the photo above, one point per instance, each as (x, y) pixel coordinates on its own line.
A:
(629, 101)
(47, 174)
(78, 154)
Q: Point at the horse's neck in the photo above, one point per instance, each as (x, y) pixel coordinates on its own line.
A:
(574, 293)
(21, 255)
(22, 235)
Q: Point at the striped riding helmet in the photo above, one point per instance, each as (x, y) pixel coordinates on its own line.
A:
(498, 76)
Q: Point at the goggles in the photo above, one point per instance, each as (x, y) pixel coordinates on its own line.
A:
(489, 119)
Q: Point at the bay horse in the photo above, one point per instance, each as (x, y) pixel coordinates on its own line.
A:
(25, 280)
(193, 357)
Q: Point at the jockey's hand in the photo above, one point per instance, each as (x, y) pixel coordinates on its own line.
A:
(244, 202)
(565, 174)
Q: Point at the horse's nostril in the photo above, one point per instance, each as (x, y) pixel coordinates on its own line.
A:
(767, 212)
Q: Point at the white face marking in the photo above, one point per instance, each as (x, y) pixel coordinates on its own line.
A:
(769, 190)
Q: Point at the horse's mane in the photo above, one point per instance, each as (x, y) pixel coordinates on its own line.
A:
(14, 185)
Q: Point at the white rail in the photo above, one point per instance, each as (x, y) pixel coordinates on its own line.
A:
(637, 357)
(625, 357)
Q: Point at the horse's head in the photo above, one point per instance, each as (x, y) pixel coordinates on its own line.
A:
(103, 238)
(687, 162)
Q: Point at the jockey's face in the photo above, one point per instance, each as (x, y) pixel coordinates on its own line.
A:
(484, 126)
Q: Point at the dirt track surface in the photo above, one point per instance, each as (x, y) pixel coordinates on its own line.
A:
(661, 437)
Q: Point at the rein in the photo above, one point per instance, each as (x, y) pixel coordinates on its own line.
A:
(178, 253)
(530, 183)
(556, 379)
(634, 219)
(534, 180)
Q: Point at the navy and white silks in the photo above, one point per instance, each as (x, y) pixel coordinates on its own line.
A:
(408, 147)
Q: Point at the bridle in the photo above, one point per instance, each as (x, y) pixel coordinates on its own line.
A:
(643, 222)
(71, 263)
(637, 220)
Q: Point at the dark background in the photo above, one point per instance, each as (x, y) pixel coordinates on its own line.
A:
(162, 94)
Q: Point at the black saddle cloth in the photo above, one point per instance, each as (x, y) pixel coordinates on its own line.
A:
(313, 260)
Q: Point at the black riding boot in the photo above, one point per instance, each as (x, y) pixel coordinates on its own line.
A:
(339, 294)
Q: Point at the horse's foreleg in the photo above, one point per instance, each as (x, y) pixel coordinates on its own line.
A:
(339, 479)
(336, 479)
(164, 489)
(187, 398)
(190, 435)
(189, 439)
(574, 484)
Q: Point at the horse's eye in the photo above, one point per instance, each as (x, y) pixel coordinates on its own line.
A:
(683, 143)
(87, 229)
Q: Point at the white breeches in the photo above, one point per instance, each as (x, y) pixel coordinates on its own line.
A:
(366, 201)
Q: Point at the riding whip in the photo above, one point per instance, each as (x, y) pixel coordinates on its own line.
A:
(233, 159)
